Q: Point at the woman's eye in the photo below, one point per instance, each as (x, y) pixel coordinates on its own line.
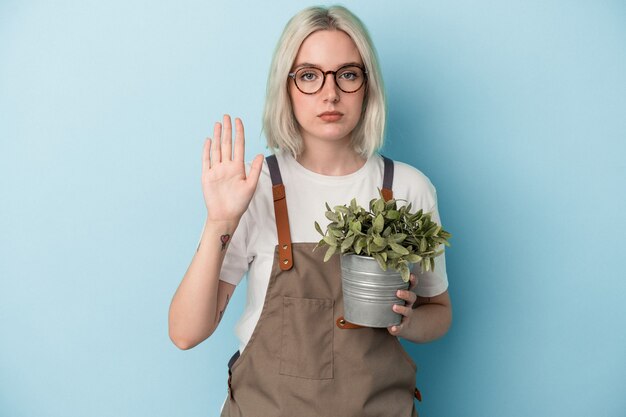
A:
(308, 76)
(349, 75)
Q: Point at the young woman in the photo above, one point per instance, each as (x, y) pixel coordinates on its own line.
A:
(324, 119)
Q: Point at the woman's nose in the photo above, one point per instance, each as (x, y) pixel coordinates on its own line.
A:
(330, 90)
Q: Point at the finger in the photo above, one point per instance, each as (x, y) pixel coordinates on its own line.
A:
(413, 281)
(396, 329)
(240, 142)
(409, 296)
(216, 156)
(206, 155)
(227, 139)
(406, 311)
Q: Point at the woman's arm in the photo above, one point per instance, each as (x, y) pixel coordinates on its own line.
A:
(201, 298)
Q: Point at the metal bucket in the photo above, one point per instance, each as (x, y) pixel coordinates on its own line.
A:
(369, 292)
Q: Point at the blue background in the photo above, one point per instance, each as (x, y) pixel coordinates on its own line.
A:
(516, 110)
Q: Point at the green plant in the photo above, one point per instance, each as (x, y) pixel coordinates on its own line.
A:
(393, 236)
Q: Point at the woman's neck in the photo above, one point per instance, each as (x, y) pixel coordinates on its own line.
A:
(331, 160)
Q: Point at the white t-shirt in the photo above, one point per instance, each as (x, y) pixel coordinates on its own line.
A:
(252, 245)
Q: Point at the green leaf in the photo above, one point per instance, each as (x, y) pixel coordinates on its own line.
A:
(330, 240)
(378, 224)
(398, 248)
(405, 273)
(413, 258)
(330, 252)
(380, 261)
(398, 237)
(347, 243)
(380, 241)
(373, 247)
(379, 206)
(432, 230)
(356, 226)
(393, 214)
(423, 245)
(319, 229)
(332, 216)
(359, 245)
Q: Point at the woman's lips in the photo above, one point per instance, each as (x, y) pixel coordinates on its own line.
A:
(330, 116)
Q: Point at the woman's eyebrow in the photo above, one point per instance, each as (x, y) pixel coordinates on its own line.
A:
(308, 64)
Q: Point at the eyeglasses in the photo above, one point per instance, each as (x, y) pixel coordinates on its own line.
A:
(310, 80)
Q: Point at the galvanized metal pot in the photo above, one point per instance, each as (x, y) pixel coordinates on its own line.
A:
(369, 292)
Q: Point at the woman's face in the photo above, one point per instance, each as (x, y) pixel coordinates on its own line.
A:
(329, 115)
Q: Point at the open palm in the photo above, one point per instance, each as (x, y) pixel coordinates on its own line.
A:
(227, 191)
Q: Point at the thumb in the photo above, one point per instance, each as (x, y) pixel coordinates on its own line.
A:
(255, 170)
(413, 281)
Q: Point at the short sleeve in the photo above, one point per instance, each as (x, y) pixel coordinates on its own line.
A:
(236, 262)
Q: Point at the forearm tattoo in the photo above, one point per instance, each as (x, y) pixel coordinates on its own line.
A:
(224, 239)
(219, 319)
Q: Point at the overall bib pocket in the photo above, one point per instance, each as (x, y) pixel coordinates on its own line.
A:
(307, 338)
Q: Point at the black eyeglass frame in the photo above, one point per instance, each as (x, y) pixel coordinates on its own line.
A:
(292, 75)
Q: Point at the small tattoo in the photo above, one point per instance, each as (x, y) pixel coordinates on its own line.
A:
(224, 239)
(222, 312)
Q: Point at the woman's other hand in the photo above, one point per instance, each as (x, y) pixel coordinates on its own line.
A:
(406, 310)
(227, 191)
(424, 319)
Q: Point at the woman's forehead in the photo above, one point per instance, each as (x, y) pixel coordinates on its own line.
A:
(328, 48)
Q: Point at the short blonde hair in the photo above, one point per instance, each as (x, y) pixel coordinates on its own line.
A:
(279, 122)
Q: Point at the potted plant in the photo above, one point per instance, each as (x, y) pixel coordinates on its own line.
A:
(378, 248)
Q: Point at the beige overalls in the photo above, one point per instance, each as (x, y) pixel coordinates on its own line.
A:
(303, 359)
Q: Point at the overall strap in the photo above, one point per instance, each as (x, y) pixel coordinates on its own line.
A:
(387, 179)
(285, 255)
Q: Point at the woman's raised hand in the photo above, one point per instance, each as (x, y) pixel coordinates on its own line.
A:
(227, 191)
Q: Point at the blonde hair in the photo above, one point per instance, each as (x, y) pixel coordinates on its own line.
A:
(279, 122)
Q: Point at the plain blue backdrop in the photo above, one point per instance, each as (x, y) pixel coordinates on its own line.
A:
(516, 110)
